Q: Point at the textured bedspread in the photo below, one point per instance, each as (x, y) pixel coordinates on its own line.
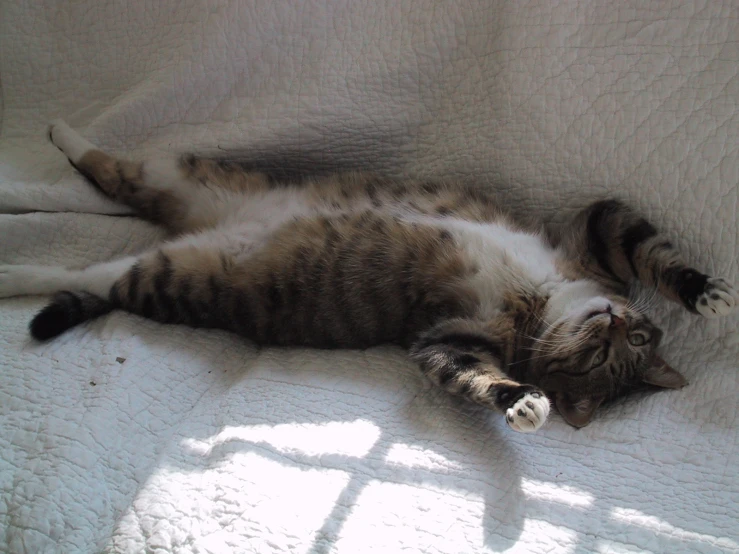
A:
(128, 436)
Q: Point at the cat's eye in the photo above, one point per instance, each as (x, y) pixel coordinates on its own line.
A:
(637, 339)
(600, 358)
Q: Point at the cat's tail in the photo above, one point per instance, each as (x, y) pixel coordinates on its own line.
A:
(66, 310)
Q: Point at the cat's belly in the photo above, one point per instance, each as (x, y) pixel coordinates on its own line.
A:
(268, 211)
(250, 222)
(509, 261)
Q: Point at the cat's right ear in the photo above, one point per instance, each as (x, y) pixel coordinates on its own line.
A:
(662, 375)
(580, 412)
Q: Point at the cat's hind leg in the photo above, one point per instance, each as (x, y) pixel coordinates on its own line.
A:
(89, 300)
(181, 193)
(153, 195)
(180, 282)
(25, 280)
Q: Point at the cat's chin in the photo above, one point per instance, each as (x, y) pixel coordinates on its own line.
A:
(595, 313)
(574, 301)
(587, 310)
(593, 308)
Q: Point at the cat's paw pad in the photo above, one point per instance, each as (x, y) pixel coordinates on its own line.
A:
(718, 299)
(529, 413)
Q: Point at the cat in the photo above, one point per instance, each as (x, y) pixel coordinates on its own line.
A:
(504, 313)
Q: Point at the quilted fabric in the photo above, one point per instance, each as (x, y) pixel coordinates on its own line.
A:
(127, 436)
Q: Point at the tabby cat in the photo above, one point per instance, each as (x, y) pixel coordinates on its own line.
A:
(505, 314)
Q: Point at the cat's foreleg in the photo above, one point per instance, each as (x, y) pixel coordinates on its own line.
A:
(615, 245)
(462, 357)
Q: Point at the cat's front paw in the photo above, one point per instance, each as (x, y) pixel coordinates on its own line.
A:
(529, 413)
(718, 299)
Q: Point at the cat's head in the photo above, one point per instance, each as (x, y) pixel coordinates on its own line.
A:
(597, 351)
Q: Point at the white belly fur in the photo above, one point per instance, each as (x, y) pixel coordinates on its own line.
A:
(507, 260)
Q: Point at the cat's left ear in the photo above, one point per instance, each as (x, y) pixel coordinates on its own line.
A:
(662, 375)
(577, 413)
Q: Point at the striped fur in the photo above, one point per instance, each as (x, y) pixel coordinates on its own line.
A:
(66, 310)
(327, 282)
(494, 310)
(611, 243)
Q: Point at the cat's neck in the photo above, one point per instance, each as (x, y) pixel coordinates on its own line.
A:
(533, 318)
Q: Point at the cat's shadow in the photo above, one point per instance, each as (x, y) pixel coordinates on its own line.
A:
(415, 437)
(500, 486)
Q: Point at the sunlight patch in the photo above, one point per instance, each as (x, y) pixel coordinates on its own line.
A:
(244, 503)
(662, 527)
(550, 492)
(541, 536)
(349, 438)
(414, 456)
(420, 517)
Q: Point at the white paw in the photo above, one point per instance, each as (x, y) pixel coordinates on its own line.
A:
(529, 413)
(20, 280)
(69, 141)
(11, 280)
(719, 299)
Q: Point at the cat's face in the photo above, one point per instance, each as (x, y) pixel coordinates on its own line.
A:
(599, 351)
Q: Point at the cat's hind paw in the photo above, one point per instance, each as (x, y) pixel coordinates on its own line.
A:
(529, 413)
(718, 299)
(69, 141)
(12, 279)
(22, 280)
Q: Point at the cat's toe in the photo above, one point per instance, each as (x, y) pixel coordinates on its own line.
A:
(718, 299)
(529, 413)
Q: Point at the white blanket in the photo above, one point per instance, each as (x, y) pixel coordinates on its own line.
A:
(128, 436)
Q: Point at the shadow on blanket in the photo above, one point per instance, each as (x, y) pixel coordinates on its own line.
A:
(457, 449)
(505, 505)
(188, 407)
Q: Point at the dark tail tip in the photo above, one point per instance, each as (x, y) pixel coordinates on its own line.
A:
(53, 320)
(66, 310)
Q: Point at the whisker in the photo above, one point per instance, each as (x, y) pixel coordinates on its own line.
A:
(562, 350)
(547, 341)
(529, 359)
(646, 299)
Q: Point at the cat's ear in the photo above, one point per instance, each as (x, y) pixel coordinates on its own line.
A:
(662, 375)
(577, 413)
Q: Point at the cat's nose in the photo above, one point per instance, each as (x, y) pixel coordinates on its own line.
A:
(617, 321)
